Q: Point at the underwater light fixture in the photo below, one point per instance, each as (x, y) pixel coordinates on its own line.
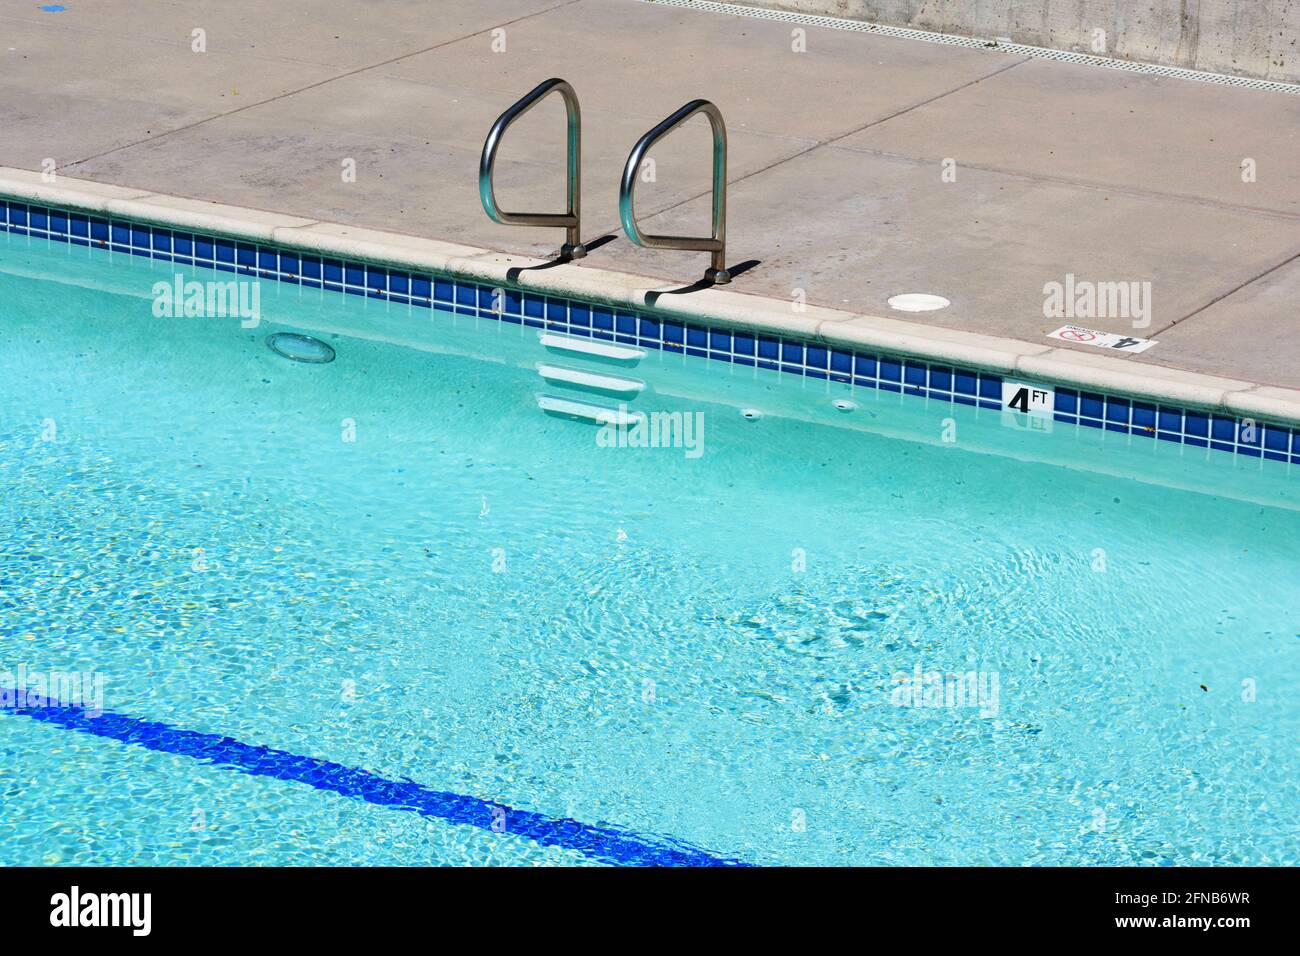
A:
(300, 348)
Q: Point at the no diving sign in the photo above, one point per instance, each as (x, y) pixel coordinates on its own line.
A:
(1102, 340)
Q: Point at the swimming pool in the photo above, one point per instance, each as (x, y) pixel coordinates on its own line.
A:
(389, 610)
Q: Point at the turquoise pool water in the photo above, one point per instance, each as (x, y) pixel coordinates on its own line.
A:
(397, 564)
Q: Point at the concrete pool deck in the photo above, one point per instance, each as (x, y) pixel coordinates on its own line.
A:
(837, 169)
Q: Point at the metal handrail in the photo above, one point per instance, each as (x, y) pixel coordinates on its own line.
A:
(571, 220)
(716, 244)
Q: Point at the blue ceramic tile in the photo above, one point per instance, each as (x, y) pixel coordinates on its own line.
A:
(1144, 416)
(1276, 438)
(1223, 429)
(1196, 423)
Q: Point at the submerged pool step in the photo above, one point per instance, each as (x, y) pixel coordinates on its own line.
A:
(591, 348)
(590, 381)
(587, 411)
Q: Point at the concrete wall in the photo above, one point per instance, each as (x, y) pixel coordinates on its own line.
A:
(1243, 37)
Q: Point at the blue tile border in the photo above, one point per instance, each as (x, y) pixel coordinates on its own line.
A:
(887, 373)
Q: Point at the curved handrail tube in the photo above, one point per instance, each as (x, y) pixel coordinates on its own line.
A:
(570, 221)
(715, 244)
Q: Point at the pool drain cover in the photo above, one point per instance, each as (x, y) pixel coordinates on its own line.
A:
(300, 348)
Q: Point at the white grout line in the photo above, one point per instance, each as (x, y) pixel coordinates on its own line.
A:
(1038, 362)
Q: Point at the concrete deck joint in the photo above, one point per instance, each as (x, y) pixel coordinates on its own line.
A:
(832, 141)
(1235, 289)
(320, 83)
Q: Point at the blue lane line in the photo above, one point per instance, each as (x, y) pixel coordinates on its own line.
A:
(603, 843)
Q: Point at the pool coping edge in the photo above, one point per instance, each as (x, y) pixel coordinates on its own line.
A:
(1033, 362)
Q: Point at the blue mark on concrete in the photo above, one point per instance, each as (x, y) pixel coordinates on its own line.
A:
(53, 8)
(603, 843)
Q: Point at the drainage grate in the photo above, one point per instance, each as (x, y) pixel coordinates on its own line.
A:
(1019, 49)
